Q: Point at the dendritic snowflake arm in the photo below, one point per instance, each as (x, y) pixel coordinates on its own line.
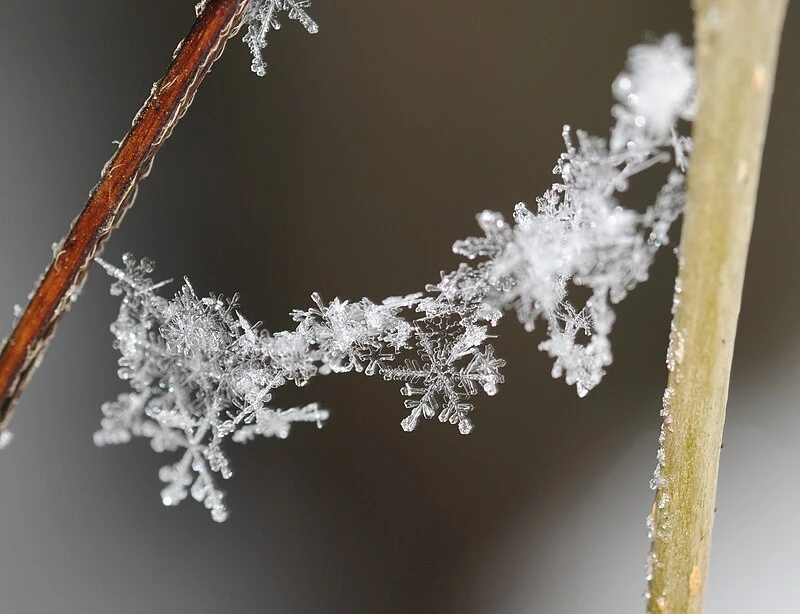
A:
(262, 17)
(200, 373)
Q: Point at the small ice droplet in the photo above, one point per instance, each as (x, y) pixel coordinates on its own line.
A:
(219, 513)
(198, 490)
(409, 423)
(5, 439)
(675, 349)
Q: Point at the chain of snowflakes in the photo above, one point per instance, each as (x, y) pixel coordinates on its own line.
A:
(201, 373)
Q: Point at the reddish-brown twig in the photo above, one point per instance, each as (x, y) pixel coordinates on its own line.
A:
(153, 124)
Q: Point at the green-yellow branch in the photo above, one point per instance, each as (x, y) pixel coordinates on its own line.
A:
(737, 49)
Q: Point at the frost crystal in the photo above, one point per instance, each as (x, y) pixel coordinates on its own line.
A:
(261, 16)
(200, 372)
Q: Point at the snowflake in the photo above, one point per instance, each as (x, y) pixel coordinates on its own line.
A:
(443, 379)
(200, 373)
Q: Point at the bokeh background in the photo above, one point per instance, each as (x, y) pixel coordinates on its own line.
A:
(350, 170)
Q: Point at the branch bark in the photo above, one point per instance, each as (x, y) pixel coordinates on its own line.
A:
(737, 50)
(112, 196)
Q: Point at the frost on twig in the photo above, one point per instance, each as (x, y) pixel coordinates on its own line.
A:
(200, 372)
(262, 16)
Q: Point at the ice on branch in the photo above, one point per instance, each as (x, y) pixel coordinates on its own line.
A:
(261, 17)
(200, 372)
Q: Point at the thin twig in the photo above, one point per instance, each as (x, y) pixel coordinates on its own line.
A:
(168, 101)
(737, 50)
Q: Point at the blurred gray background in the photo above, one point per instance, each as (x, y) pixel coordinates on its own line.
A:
(350, 170)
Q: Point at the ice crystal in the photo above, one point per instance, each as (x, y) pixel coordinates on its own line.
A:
(261, 17)
(201, 373)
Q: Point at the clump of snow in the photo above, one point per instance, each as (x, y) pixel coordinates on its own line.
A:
(658, 88)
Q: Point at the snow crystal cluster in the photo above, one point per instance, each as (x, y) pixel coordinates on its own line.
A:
(261, 16)
(201, 373)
